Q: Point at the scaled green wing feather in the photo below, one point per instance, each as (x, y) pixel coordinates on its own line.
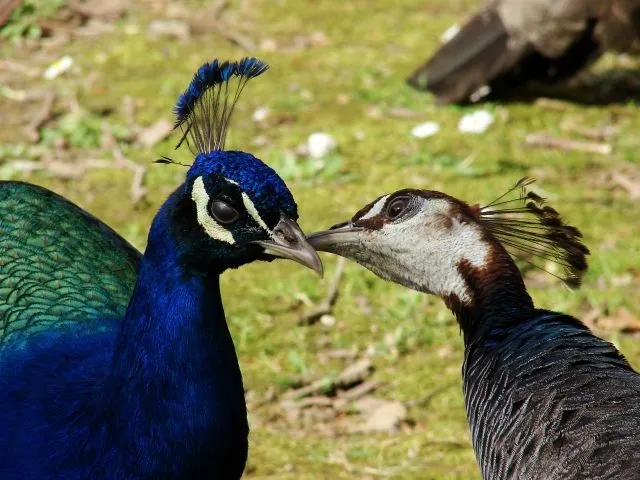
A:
(59, 265)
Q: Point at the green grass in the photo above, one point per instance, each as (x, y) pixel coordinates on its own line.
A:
(371, 47)
(23, 21)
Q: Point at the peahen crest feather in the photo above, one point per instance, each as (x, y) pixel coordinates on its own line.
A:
(530, 228)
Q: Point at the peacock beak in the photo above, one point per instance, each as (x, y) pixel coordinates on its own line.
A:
(288, 241)
(332, 240)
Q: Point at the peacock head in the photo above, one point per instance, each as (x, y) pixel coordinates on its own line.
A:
(232, 209)
(435, 243)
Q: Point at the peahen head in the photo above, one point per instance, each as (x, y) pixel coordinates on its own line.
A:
(435, 243)
(232, 208)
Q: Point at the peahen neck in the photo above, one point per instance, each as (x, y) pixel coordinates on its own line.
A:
(175, 387)
(499, 298)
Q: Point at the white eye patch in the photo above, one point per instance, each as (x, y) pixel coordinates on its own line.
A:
(201, 198)
(251, 208)
(376, 209)
(216, 231)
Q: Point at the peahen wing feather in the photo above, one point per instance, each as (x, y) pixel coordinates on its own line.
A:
(59, 265)
(508, 43)
(480, 52)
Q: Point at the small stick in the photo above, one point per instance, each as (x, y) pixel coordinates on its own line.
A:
(551, 104)
(139, 171)
(234, 37)
(105, 10)
(631, 187)
(599, 134)
(326, 306)
(320, 384)
(43, 116)
(547, 141)
(6, 9)
(355, 393)
(590, 318)
(312, 402)
(420, 402)
(354, 374)
(218, 9)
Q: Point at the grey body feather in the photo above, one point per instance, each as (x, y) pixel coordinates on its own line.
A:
(549, 400)
(509, 42)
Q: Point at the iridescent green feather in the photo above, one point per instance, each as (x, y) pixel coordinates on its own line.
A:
(60, 267)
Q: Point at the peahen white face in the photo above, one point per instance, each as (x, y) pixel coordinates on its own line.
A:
(419, 239)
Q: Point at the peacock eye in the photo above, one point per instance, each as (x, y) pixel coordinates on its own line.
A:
(396, 207)
(222, 212)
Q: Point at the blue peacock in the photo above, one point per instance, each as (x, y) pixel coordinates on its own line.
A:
(120, 365)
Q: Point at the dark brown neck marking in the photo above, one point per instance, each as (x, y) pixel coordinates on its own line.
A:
(498, 294)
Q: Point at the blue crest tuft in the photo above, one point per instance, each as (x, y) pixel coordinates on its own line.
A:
(204, 110)
(251, 67)
(266, 189)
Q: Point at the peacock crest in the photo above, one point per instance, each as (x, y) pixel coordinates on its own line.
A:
(204, 110)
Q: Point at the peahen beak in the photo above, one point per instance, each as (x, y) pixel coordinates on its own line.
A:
(337, 236)
(288, 241)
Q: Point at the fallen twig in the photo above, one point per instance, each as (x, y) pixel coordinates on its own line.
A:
(355, 373)
(9, 65)
(425, 399)
(112, 10)
(547, 141)
(218, 9)
(325, 307)
(318, 385)
(234, 37)
(551, 104)
(213, 23)
(592, 133)
(340, 353)
(6, 9)
(355, 393)
(352, 375)
(43, 116)
(590, 318)
(311, 402)
(404, 113)
(632, 187)
(59, 168)
(137, 190)
(153, 134)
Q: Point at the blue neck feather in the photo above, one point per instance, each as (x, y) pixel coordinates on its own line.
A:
(157, 394)
(174, 345)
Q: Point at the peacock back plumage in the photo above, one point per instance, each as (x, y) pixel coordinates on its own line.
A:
(59, 265)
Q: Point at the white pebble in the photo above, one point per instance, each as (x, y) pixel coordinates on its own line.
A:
(424, 130)
(320, 144)
(476, 122)
(58, 67)
(261, 114)
(480, 93)
(328, 320)
(449, 33)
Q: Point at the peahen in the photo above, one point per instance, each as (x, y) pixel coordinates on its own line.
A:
(117, 365)
(507, 43)
(545, 398)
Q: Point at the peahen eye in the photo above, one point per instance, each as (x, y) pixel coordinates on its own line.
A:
(397, 206)
(222, 212)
